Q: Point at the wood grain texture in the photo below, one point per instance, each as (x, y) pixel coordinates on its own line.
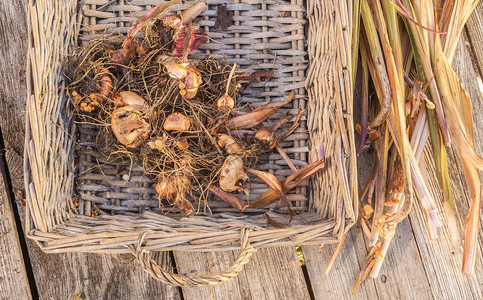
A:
(338, 283)
(402, 275)
(474, 31)
(13, 278)
(63, 275)
(97, 276)
(272, 273)
(13, 43)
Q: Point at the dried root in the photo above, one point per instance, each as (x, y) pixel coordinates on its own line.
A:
(178, 116)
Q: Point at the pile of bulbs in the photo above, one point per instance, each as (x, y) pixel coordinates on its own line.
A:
(189, 134)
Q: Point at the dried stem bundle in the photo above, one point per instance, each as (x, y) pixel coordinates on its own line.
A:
(407, 117)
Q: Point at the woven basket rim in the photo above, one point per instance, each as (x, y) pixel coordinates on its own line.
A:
(111, 234)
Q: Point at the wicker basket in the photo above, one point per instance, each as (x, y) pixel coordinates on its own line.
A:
(306, 44)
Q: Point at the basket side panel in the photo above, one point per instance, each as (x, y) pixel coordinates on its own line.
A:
(330, 124)
(49, 172)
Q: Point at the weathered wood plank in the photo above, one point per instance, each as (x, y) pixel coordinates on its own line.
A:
(13, 41)
(474, 30)
(272, 273)
(338, 283)
(63, 275)
(13, 277)
(442, 262)
(402, 275)
(97, 276)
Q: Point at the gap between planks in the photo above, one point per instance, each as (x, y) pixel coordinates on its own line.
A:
(13, 268)
(57, 276)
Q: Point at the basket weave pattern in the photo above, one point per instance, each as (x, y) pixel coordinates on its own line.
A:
(261, 38)
(265, 35)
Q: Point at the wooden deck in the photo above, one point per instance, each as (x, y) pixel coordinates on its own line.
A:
(415, 267)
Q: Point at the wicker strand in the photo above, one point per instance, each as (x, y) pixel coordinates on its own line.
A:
(152, 268)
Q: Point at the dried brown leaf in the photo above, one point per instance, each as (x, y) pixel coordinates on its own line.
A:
(258, 115)
(224, 18)
(288, 184)
(279, 224)
(233, 200)
(258, 76)
(268, 178)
